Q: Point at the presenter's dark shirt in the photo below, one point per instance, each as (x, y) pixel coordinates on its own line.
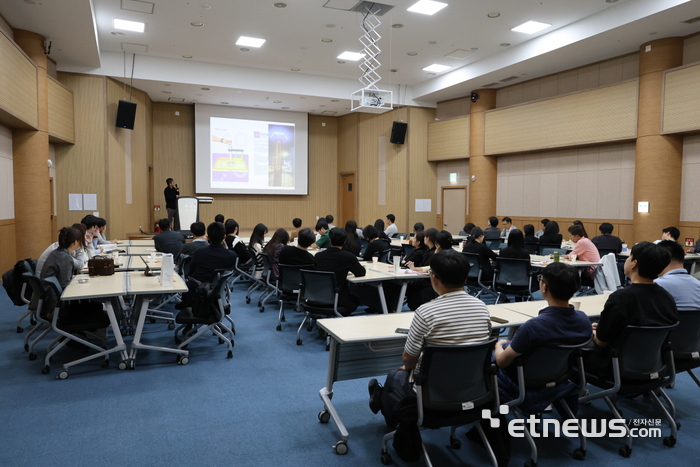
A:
(171, 197)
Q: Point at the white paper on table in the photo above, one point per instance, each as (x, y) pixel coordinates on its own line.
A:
(89, 202)
(167, 267)
(75, 202)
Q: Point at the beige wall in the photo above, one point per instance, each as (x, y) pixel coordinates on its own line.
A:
(690, 188)
(7, 206)
(691, 49)
(593, 182)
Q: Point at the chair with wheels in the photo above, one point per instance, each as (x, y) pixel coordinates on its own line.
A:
(493, 244)
(642, 364)
(78, 322)
(207, 313)
(475, 272)
(606, 251)
(25, 295)
(364, 244)
(685, 340)
(288, 287)
(385, 256)
(243, 270)
(318, 298)
(454, 385)
(512, 277)
(406, 249)
(270, 286)
(532, 248)
(543, 379)
(41, 317)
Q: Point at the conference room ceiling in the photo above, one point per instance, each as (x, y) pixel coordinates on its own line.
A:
(297, 67)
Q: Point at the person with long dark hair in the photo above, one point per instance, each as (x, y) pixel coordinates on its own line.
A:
(416, 256)
(529, 232)
(256, 243)
(352, 243)
(475, 244)
(516, 246)
(379, 225)
(272, 249)
(376, 244)
(551, 234)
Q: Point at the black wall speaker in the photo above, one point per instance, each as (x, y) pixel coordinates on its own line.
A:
(398, 132)
(126, 114)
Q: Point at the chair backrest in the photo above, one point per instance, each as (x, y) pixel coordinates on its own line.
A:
(512, 273)
(407, 249)
(185, 262)
(385, 256)
(456, 378)
(210, 301)
(685, 339)
(289, 280)
(29, 266)
(462, 233)
(642, 352)
(605, 251)
(318, 287)
(38, 290)
(550, 247)
(493, 244)
(532, 248)
(548, 366)
(364, 243)
(544, 250)
(399, 235)
(474, 265)
(267, 265)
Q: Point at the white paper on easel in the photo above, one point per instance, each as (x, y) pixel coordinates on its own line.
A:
(167, 270)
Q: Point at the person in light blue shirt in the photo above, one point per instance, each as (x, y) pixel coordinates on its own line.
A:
(684, 288)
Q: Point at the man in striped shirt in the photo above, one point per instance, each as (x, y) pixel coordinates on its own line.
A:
(454, 318)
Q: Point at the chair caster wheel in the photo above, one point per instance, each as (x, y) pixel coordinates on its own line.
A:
(32, 322)
(625, 451)
(386, 458)
(284, 320)
(63, 374)
(259, 304)
(298, 341)
(247, 300)
(341, 447)
(669, 441)
(26, 347)
(579, 454)
(32, 356)
(229, 354)
(123, 365)
(678, 425)
(171, 326)
(455, 443)
(530, 463)
(221, 341)
(19, 329)
(279, 327)
(46, 370)
(152, 320)
(324, 416)
(262, 309)
(104, 364)
(182, 360)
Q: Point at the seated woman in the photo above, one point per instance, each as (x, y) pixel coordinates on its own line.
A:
(79, 255)
(529, 232)
(279, 239)
(476, 244)
(352, 243)
(256, 243)
(551, 234)
(379, 225)
(416, 256)
(417, 227)
(376, 244)
(516, 246)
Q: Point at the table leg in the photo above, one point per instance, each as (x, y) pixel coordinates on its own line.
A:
(326, 393)
(402, 294)
(382, 298)
(141, 304)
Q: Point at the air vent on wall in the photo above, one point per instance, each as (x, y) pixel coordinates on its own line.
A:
(692, 20)
(490, 85)
(176, 99)
(136, 5)
(510, 78)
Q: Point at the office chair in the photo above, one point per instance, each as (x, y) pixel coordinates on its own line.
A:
(318, 298)
(41, 318)
(364, 243)
(642, 364)
(453, 386)
(546, 250)
(270, 282)
(686, 344)
(288, 287)
(385, 257)
(512, 276)
(532, 248)
(406, 249)
(26, 295)
(543, 379)
(493, 244)
(475, 272)
(208, 312)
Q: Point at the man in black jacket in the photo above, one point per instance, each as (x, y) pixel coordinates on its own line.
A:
(168, 241)
(339, 261)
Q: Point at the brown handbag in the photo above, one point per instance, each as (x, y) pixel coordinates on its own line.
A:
(98, 266)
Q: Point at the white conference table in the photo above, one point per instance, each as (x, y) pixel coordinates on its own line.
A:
(366, 346)
(380, 272)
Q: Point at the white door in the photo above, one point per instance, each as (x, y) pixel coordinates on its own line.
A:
(454, 209)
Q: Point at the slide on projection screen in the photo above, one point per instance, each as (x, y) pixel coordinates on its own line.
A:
(250, 151)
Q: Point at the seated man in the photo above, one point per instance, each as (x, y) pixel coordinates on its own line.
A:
(322, 229)
(168, 241)
(234, 242)
(669, 233)
(492, 232)
(102, 226)
(643, 303)
(296, 222)
(340, 262)
(391, 230)
(606, 240)
(558, 323)
(329, 221)
(508, 227)
(684, 288)
(297, 255)
(454, 318)
(199, 240)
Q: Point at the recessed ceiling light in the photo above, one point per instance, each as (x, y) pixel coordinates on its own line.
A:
(250, 41)
(505, 44)
(225, 103)
(493, 14)
(197, 24)
(280, 5)
(353, 56)
(412, 54)
(342, 62)
(166, 92)
(436, 68)
(115, 33)
(187, 56)
(125, 25)
(204, 6)
(335, 100)
(296, 69)
(531, 27)
(205, 89)
(276, 102)
(397, 26)
(326, 40)
(427, 7)
(285, 108)
(244, 49)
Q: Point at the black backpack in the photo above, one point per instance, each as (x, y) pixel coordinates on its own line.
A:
(12, 282)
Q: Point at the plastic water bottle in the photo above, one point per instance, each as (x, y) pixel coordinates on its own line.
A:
(556, 256)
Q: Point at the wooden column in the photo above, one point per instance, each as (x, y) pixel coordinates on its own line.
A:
(30, 152)
(658, 161)
(482, 191)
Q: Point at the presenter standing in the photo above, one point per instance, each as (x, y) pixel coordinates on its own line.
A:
(172, 193)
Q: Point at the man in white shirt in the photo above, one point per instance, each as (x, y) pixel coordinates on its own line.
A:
(391, 229)
(684, 288)
(508, 227)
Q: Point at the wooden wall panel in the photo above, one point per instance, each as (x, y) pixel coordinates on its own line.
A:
(622, 228)
(61, 114)
(681, 100)
(453, 108)
(448, 140)
(422, 175)
(18, 87)
(8, 254)
(600, 115)
(347, 142)
(173, 147)
(81, 167)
